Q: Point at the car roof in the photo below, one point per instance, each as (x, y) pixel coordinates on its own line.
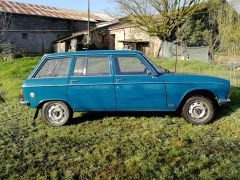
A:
(93, 52)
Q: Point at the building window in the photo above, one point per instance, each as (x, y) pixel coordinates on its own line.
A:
(24, 35)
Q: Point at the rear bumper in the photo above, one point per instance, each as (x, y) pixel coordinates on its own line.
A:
(24, 103)
(223, 101)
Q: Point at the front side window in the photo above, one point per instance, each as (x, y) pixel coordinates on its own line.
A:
(55, 68)
(92, 66)
(130, 66)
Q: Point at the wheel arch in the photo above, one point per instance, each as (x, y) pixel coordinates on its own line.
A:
(40, 105)
(201, 92)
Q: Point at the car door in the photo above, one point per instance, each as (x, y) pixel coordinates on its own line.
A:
(91, 86)
(137, 86)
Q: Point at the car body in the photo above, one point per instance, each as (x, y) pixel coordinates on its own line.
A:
(115, 81)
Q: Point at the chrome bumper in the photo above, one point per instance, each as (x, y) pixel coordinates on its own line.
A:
(24, 103)
(224, 101)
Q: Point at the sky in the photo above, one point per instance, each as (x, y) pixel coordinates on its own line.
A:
(96, 5)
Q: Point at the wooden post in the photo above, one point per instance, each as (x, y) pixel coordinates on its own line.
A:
(176, 51)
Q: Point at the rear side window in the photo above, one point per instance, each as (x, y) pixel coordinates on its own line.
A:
(92, 66)
(55, 68)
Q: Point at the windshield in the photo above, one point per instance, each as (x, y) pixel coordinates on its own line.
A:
(159, 69)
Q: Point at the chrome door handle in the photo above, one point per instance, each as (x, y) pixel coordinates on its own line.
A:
(120, 79)
(73, 81)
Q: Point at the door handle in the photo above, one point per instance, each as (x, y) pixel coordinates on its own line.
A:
(73, 81)
(120, 79)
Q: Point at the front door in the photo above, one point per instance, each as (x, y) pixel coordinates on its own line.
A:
(91, 86)
(137, 86)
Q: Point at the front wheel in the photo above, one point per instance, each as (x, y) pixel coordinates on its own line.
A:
(198, 110)
(56, 113)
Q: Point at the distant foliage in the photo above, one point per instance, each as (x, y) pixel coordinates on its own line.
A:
(229, 29)
(194, 31)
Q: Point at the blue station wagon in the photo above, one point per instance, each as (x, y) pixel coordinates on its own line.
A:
(99, 81)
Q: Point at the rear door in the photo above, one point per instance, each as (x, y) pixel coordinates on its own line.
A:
(90, 86)
(137, 85)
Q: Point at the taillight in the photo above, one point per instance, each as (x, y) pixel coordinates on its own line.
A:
(22, 96)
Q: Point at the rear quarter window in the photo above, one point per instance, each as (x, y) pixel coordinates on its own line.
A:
(53, 68)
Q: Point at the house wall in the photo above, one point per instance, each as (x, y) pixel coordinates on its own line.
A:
(131, 32)
(36, 34)
(60, 47)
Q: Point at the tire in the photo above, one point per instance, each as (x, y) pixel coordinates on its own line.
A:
(56, 113)
(198, 110)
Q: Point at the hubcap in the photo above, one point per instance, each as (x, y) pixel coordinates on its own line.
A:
(56, 113)
(199, 111)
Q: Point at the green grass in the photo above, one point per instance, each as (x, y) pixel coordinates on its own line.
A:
(126, 145)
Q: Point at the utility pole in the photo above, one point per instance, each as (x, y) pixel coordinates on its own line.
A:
(88, 38)
(177, 41)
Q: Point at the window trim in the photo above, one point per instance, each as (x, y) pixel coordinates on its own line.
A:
(92, 56)
(140, 58)
(49, 59)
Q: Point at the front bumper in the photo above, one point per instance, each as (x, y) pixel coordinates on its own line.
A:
(224, 101)
(26, 103)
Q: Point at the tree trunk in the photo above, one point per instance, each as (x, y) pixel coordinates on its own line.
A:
(159, 49)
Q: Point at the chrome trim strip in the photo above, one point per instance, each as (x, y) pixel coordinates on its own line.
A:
(139, 83)
(96, 84)
(61, 85)
(140, 75)
(92, 76)
(170, 83)
(63, 77)
(192, 83)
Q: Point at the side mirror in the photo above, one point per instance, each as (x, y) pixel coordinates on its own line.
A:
(149, 73)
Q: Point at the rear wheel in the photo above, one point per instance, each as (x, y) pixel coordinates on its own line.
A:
(56, 113)
(198, 110)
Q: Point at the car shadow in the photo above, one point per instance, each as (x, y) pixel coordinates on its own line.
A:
(223, 111)
(94, 116)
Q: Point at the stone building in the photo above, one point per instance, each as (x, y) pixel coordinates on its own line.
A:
(120, 35)
(127, 36)
(34, 28)
(115, 35)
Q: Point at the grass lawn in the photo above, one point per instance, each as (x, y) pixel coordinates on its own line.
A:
(126, 145)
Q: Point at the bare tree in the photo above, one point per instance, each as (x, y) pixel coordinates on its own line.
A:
(160, 18)
(5, 24)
